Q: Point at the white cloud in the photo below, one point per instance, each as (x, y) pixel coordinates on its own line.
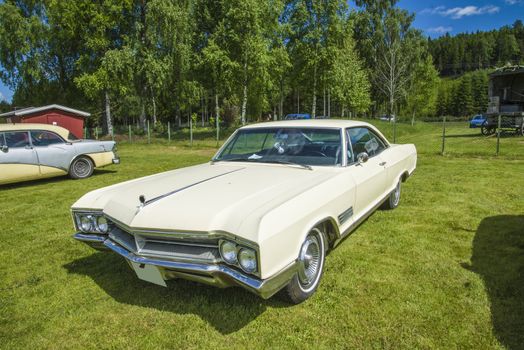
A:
(513, 2)
(439, 30)
(459, 12)
(2, 97)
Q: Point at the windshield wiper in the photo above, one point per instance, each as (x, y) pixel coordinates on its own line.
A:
(287, 162)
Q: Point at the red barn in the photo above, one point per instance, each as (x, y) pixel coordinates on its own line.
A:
(69, 118)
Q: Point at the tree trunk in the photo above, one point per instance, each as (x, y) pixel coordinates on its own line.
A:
(109, 122)
(244, 96)
(202, 103)
(324, 101)
(142, 118)
(343, 111)
(329, 104)
(274, 112)
(281, 105)
(413, 118)
(154, 110)
(314, 104)
(217, 117)
(217, 109)
(298, 101)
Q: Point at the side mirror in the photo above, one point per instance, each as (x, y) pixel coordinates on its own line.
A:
(362, 157)
(4, 148)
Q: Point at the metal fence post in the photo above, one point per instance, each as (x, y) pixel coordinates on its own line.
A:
(169, 132)
(96, 132)
(130, 139)
(191, 131)
(85, 132)
(498, 134)
(218, 128)
(148, 133)
(443, 135)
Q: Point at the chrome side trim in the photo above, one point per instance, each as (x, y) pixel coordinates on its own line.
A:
(357, 222)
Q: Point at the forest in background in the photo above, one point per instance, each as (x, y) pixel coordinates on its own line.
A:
(129, 61)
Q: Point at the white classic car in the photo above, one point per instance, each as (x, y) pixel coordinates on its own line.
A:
(260, 215)
(36, 151)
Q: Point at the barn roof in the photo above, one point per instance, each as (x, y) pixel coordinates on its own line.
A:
(508, 70)
(31, 110)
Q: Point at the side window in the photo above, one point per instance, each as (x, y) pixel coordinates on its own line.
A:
(45, 138)
(365, 140)
(2, 139)
(16, 139)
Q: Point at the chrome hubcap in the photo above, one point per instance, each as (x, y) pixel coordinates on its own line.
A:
(396, 194)
(81, 167)
(309, 259)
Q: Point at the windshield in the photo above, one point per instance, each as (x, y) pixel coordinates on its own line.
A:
(306, 146)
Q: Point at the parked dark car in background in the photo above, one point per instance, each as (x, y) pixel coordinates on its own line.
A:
(297, 116)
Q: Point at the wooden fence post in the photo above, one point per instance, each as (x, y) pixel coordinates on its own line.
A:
(148, 133)
(499, 124)
(169, 132)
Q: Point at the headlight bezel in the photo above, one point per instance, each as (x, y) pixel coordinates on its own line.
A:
(240, 246)
(96, 227)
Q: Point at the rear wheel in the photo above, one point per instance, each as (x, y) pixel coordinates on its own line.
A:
(81, 168)
(310, 267)
(394, 198)
(486, 130)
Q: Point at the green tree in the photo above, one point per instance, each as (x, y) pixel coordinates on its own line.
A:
(422, 93)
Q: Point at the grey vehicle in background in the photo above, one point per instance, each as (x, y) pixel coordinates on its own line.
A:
(34, 151)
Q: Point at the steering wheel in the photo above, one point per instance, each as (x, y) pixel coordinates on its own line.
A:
(318, 153)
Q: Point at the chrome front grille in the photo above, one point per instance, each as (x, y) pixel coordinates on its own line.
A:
(166, 248)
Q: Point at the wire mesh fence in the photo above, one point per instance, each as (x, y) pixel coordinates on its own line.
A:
(445, 137)
(439, 136)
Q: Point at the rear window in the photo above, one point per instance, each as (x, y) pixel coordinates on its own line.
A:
(71, 137)
(45, 138)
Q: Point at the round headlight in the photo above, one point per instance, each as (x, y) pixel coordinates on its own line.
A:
(102, 224)
(86, 223)
(247, 259)
(228, 250)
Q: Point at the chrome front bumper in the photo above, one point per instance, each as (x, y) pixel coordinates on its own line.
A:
(116, 160)
(217, 275)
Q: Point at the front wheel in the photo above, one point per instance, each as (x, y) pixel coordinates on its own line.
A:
(81, 168)
(310, 267)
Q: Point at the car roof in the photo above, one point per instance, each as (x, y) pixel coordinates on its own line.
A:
(319, 123)
(64, 133)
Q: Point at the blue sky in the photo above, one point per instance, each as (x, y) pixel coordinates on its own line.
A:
(436, 17)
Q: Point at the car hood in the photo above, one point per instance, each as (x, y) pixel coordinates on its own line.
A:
(205, 198)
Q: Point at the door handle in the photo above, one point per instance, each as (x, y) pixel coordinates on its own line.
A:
(382, 164)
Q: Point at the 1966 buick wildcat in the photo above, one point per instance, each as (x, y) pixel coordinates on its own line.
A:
(260, 215)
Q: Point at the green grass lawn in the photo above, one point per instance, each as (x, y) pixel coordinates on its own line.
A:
(444, 270)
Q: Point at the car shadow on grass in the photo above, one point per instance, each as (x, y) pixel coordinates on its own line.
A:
(227, 310)
(498, 256)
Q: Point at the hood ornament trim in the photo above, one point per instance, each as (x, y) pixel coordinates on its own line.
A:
(152, 200)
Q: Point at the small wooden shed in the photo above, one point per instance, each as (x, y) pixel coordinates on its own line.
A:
(69, 118)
